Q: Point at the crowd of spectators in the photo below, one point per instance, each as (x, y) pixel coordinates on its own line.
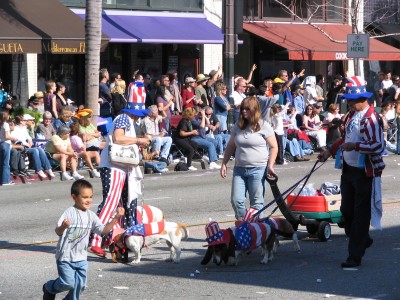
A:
(192, 118)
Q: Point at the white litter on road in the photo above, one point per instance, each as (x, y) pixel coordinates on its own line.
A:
(121, 287)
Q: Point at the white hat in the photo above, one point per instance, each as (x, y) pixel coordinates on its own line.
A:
(28, 117)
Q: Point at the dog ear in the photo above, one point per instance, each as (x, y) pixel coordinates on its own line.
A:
(207, 256)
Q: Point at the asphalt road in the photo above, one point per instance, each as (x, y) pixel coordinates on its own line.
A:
(29, 213)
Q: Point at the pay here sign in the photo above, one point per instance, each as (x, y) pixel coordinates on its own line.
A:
(357, 45)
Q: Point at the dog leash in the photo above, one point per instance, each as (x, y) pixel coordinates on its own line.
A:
(291, 189)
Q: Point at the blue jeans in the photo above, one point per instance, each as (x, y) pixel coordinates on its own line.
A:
(223, 122)
(223, 140)
(208, 144)
(72, 278)
(39, 157)
(5, 150)
(245, 180)
(156, 166)
(164, 143)
(294, 147)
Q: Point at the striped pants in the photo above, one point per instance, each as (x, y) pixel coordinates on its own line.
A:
(115, 194)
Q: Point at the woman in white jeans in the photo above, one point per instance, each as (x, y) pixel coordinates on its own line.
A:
(313, 125)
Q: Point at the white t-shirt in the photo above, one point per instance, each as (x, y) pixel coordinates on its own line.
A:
(352, 158)
(309, 95)
(5, 128)
(22, 134)
(237, 97)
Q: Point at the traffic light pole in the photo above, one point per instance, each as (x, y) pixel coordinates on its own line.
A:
(229, 44)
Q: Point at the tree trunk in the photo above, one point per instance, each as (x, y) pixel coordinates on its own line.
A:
(92, 56)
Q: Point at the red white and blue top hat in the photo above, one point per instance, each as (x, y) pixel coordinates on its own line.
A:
(215, 235)
(356, 88)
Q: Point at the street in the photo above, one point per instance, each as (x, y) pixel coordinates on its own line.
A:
(29, 213)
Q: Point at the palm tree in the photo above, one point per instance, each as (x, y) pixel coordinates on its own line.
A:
(92, 56)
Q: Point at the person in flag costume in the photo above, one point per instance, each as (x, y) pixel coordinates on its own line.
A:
(359, 153)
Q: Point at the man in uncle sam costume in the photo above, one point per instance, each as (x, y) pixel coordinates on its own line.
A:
(360, 149)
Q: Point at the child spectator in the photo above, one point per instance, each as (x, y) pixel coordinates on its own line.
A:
(79, 146)
(277, 115)
(74, 228)
(5, 146)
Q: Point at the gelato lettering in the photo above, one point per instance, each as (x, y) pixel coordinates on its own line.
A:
(55, 48)
(11, 48)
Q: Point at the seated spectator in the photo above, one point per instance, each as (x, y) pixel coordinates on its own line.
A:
(150, 164)
(160, 142)
(60, 149)
(64, 119)
(310, 92)
(204, 142)
(291, 142)
(30, 124)
(79, 146)
(184, 134)
(212, 128)
(313, 125)
(38, 156)
(17, 161)
(88, 132)
(45, 130)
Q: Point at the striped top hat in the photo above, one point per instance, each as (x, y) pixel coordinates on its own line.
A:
(356, 88)
(250, 216)
(215, 235)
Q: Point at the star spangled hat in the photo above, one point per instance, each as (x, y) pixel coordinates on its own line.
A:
(356, 89)
(250, 216)
(216, 236)
(136, 109)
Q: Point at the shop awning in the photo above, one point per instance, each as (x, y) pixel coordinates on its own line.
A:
(304, 42)
(40, 26)
(158, 27)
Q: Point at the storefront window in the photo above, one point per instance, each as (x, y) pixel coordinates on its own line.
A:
(68, 69)
(250, 9)
(327, 10)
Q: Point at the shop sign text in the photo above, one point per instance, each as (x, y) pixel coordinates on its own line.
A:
(6, 48)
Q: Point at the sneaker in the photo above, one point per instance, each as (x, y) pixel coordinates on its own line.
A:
(191, 168)
(50, 173)
(77, 176)
(205, 157)
(47, 295)
(285, 162)
(94, 173)
(9, 183)
(165, 170)
(65, 176)
(350, 263)
(221, 156)
(97, 251)
(213, 166)
(384, 153)
(41, 174)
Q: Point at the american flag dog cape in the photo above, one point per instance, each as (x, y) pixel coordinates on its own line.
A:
(249, 236)
(137, 94)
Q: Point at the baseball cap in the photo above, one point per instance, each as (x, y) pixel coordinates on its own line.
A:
(28, 117)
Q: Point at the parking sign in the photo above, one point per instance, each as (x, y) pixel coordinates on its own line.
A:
(357, 45)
